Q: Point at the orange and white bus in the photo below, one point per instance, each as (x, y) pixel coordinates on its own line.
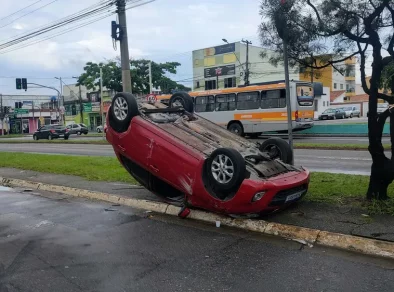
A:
(255, 109)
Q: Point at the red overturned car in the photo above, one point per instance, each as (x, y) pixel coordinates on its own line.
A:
(192, 162)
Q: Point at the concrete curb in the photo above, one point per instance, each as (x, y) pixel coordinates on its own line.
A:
(303, 235)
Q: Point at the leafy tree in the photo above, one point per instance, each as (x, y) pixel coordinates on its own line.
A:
(139, 71)
(322, 33)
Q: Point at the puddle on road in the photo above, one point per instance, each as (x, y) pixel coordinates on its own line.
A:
(5, 189)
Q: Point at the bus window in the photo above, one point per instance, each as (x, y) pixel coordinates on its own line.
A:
(305, 95)
(273, 99)
(204, 103)
(248, 100)
(225, 102)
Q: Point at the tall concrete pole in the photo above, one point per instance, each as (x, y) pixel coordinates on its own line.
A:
(102, 102)
(124, 46)
(150, 78)
(288, 101)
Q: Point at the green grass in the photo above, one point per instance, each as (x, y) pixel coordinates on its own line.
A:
(11, 136)
(337, 189)
(335, 146)
(57, 141)
(88, 167)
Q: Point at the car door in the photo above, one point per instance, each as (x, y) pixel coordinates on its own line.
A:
(39, 132)
(44, 132)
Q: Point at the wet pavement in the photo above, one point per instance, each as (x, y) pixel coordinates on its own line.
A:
(51, 242)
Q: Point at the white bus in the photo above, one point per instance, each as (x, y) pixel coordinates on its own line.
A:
(252, 110)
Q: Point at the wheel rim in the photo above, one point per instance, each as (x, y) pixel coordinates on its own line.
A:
(177, 102)
(120, 108)
(235, 130)
(273, 151)
(222, 168)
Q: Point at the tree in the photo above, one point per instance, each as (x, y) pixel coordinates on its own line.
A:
(112, 76)
(322, 33)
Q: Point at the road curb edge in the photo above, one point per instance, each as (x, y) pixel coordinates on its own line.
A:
(302, 235)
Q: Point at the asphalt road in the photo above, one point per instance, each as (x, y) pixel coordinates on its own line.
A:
(51, 242)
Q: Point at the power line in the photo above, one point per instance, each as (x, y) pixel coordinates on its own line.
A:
(20, 10)
(99, 11)
(28, 13)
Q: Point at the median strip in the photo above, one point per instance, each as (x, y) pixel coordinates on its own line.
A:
(303, 235)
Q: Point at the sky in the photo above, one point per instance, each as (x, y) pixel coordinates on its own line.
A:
(164, 30)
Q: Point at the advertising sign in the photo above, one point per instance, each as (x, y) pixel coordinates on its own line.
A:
(305, 95)
(223, 49)
(87, 107)
(224, 70)
(95, 107)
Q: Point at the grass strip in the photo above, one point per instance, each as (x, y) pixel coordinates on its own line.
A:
(89, 167)
(339, 189)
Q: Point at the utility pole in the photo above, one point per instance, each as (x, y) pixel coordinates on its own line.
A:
(80, 104)
(288, 101)
(150, 77)
(124, 46)
(247, 61)
(102, 103)
(1, 114)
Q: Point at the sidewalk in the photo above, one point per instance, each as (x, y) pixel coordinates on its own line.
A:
(340, 219)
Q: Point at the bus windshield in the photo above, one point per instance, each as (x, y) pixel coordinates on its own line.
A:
(305, 95)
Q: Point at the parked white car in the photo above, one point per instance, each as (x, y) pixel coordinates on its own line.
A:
(99, 129)
(351, 111)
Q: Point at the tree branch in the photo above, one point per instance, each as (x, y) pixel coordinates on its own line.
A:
(329, 63)
(362, 67)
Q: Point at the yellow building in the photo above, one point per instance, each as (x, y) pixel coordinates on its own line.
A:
(341, 76)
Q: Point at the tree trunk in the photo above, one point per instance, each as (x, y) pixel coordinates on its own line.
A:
(382, 169)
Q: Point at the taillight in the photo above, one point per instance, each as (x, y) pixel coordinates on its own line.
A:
(53, 131)
(296, 115)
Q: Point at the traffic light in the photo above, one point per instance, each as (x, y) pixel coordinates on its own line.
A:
(18, 104)
(18, 83)
(24, 83)
(7, 109)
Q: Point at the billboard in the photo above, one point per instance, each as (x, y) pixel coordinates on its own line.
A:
(223, 49)
(220, 70)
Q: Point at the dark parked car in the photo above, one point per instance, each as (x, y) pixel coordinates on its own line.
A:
(78, 129)
(188, 160)
(332, 113)
(51, 132)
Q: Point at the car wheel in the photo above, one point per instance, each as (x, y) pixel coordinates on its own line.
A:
(351, 115)
(66, 137)
(343, 116)
(35, 137)
(123, 109)
(236, 128)
(182, 99)
(277, 148)
(78, 133)
(98, 131)
(225, 169)
(86, 133)
(50, 137)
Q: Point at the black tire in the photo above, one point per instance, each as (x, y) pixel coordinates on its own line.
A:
(236, 128)
(98, 131)
(184, 99)
(277, 149)
(351, 115)
(343, 116)
(238, 174)
(86, 133)
(116, 123)
(255, 135)
(66, 137)
(35, 138)
(78, 133)
(50, 137)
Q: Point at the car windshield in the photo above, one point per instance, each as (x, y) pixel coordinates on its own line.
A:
(83, 125)
(384, 105)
